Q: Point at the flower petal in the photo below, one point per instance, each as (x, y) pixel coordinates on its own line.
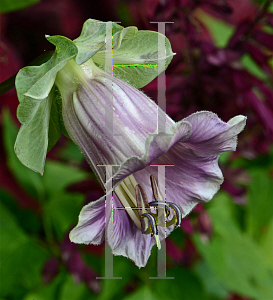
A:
(195, 175)
(211, 136)
(156, 145)
(91, 225)
(84, 111)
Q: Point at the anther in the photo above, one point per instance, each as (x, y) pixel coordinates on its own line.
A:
(178, 214)
(142, 203)
(161, 204)
(156, 192)
(141, 199)
(148, 221)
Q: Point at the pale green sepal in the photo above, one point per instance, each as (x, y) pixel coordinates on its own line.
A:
(135, 61)
(121, 35)
(37, 81)
(27, 109)
(92, 39)
(32, 140)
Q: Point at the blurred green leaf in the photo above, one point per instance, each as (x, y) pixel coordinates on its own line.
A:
(211, 284)
(263, 162)
(221, 32)
(260, 204)
(72, 153)
(27, 219)
(7, 6)
(71, 290)
(185, 285)
(252, 67)
(18, 252)
(224, 157)
(266, 241)
(122, 268)
(270, 9)
(123, 13)
(58, 176)
(142, 293)
(47, 292)
(236, 260)
(63, 210)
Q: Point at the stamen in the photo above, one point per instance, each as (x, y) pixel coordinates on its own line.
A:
(156, 192)
(135, 202)
(153, 226)
(161, 204)
(128, 205)
(141, 198)
(178, 214)
(142, 203)
(131, 183)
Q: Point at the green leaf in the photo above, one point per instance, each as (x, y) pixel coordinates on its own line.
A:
(47, 292)
(32, 140)
(212, 286)
(63, 210)
(142, 293)
(221, 31)
(28, 179)
(235, 259)
(64, 175)
(185, 285)
(37, 81)
(123, 34)
(27, 112)
(135, 61)
(7, 6)
(270, 9)
(18, 252)
(72, 290)
(122, 268)
(224, 157)
(260, 204)
(72, 153)
(92, 39)
(253, 68)
(26, 219)
(267, 242)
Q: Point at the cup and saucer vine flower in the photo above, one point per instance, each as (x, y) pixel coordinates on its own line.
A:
(72, 93)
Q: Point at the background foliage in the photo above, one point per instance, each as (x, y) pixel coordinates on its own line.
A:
(224, 248)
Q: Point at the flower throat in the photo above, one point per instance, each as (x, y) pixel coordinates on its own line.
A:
(135, 202)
